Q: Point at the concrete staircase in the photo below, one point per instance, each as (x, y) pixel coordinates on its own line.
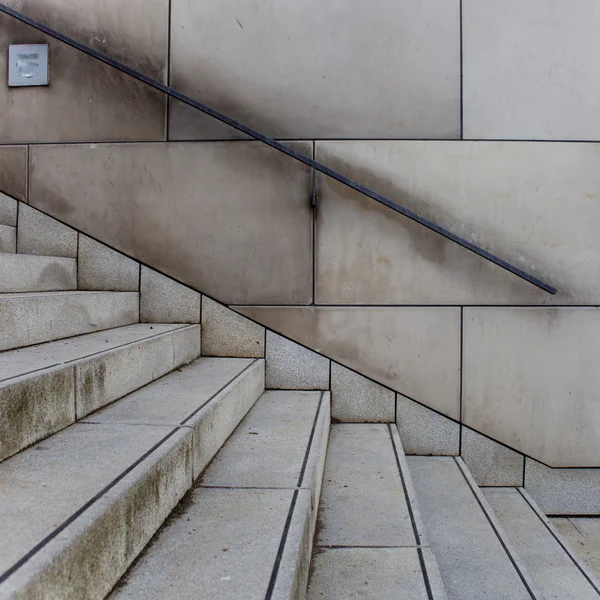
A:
(135, 465)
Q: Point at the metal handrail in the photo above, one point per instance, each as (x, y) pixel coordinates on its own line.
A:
(317, 166)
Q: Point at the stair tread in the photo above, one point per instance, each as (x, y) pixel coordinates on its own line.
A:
(44, 487)
(472, 558)
(583, 535)
(30, 272)
(370, 532)
(554, 567)
(23, 361)
(226, 540)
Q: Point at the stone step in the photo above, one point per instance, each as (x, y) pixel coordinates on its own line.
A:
(246, 530)
(583, 536)
(8, 238)
(33, 318)
(475, 557)
(555, 568)
(47, 387)
(78, 507)
(371, 540)
(32, 273)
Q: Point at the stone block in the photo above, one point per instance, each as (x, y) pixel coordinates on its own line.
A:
(227, 333)
(163, 300)
(357, 399)
(101, 268)
(291, 366)
(40, 234)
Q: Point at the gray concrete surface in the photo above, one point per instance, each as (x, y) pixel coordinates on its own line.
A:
(290, 366)
(101, 268)
(163, 300)
(472, 560)
(8, 207)
(583, 536)
(555, 572)
(490, 463)
(13, 171)
(8, 238)
(362, 500)
(269, 446)
(106, 377)
(29, 273)
(40, 234)
(425, 432)
(227, 333)
(33, 318)
(357, 399)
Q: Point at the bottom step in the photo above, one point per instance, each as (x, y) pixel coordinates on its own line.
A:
(555, 568)
(473, 553)
(246, 531)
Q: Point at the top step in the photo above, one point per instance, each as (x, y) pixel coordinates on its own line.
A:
(34, 318)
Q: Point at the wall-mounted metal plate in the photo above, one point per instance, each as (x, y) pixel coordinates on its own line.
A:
(27, 64)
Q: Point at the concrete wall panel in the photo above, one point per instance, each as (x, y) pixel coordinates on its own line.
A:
(86, 100)
(531, 381)
(232, 218)
(535, 205)
(13, 171)
(320, 69)
(415, 351)
(531, 69)
(134, 32)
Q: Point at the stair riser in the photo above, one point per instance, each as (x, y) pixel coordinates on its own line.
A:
(22, 273)
(106, 378)
(91, 554)
(25, 321)
(36, 406)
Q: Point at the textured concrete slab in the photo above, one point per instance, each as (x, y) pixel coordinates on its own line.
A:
(101, 268)
(550, 95)
(362, 500)
(163, 300)
(472, 560)
(555, 572)
(89, 554)
(224, 542)
(29, 273)
(8, 238)
(380, 343)
(367, 573)
(563, 491)
(8, 206)
(425, 432)
(13, 171)
(493, 194)
(191, 224)
(331, 93)
(210, 396)
(269, 446)
(583, 536)
(290, 366)
(111, 375)
(519, 365)
(34, 318)
(357, 399)
(41, 234)
(227, 333)
(491, 463)
(43, 486)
